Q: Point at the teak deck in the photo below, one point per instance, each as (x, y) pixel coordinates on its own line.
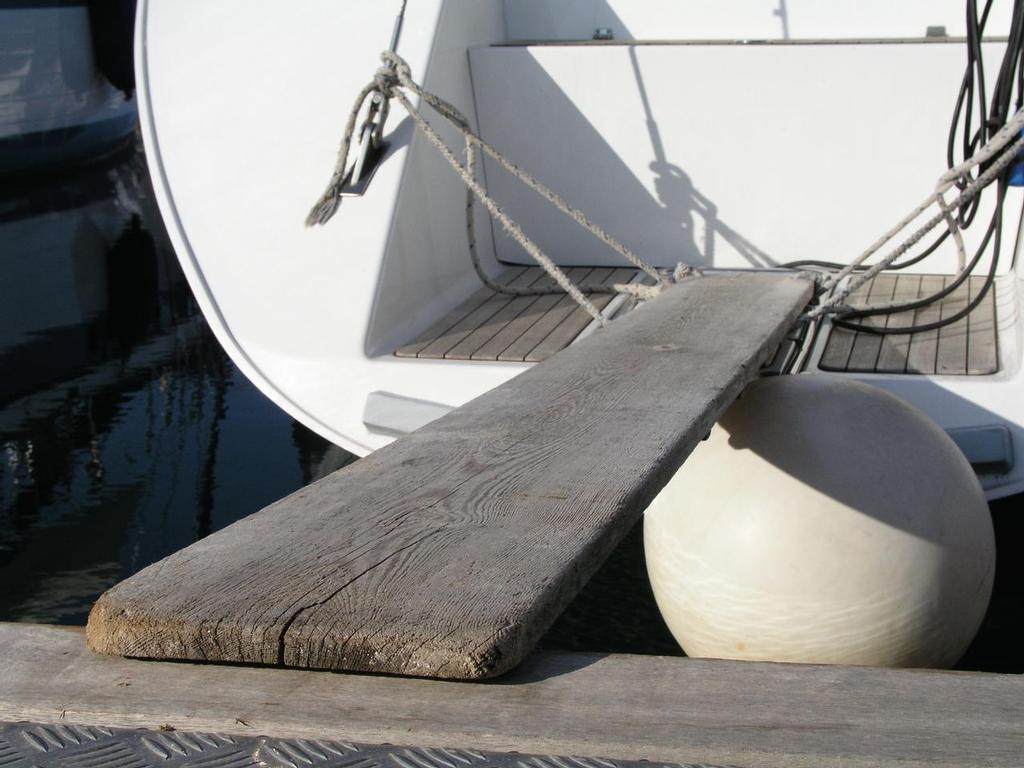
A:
(593, 707)
(494, 326)
(966, 347)
(449, 552)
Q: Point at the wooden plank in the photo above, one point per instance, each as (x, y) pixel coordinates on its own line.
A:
(866, 347)
(951, 357)
(449, 552)
(554, 313)
(836, 356)
(892, 358)
(533, 277)
(924, 345)
(564, 334)
(666, 710)
(982, 342)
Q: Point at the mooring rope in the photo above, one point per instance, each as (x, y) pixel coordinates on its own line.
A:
(388, 83)
(835, 303)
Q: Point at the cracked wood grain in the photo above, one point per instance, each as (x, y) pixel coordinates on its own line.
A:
(449, 552)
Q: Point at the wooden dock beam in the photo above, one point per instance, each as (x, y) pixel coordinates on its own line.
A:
(666, 710)
(450, 552)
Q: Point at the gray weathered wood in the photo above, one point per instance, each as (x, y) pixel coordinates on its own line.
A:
(620, 707)
(982, 347)
(951, 356)
(892, 358)
(866, 346)
(449, 552)
(924, 345)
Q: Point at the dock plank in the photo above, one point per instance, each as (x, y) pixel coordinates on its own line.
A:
(619, 707)
(449, 552)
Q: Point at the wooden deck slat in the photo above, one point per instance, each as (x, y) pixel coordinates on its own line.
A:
(570, 327)
(951, 356)
(450, 551)
(554, 313)
(968, 346)
(896, 347)
(533, 277)
(924, 346)
(564, 334)
(982, 350)
(470, 322)
(619, 707)
(450, 319)
(531, 311)
(841, 340)
(867, 346)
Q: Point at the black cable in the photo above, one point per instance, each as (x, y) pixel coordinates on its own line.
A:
(975, 133)
(996, 229)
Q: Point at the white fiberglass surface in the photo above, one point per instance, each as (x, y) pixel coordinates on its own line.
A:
(740, 19)
(242, 107)
(726, 156)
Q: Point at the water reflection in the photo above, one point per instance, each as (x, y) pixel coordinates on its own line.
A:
(125, 431)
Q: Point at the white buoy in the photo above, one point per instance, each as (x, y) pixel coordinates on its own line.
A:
(826, 521)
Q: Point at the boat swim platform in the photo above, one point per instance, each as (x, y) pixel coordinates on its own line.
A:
(967, 347)
(523, 329)
(62, 705)
(490, 326)
(449, 552)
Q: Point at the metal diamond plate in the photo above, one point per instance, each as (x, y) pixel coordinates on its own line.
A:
(34, 745)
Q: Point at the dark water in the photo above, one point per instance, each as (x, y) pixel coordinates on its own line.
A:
(125, 431)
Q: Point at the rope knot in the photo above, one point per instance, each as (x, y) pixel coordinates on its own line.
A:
(386, 81)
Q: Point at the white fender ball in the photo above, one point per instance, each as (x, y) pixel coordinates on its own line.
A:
(825, 521)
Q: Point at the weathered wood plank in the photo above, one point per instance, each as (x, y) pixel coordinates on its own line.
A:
(982, 342)
(618, 707)
(449, 552)
(892, 358)
(867, 346)
(924, 345)
(951, 356)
